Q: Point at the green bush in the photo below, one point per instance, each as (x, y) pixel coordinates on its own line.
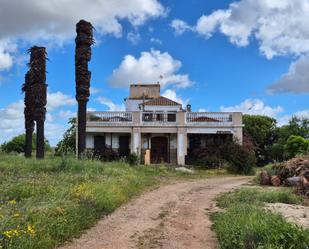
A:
(17, 144)
(296, 145)
(133, 159)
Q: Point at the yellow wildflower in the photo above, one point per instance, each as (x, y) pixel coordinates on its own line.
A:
(16, 215)
(11, 233)
(12, 202)
(31, 230)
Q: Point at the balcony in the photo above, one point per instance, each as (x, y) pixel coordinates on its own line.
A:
(109, 117)
(159, 117)
(163, 119)
(209, 118)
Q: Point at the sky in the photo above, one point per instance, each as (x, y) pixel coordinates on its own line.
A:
(218, 55)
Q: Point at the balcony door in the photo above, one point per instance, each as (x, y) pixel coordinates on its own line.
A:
(159, 150)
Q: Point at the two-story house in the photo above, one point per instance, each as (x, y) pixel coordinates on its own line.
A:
(158, 129)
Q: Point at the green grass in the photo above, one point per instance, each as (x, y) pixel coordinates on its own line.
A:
(247, 225)
(45, 203)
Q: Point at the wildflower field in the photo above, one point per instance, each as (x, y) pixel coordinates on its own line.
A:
(45, 203)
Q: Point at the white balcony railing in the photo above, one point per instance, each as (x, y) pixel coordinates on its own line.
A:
(209, 117)
(113, 117)
(159, 117)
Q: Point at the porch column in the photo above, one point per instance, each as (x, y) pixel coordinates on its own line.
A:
(181, 146)
(136, 141)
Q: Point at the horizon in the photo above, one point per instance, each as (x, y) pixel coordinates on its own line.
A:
(227, 56)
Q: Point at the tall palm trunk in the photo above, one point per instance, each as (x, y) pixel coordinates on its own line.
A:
(35, 89)
(28, 111)
(83, 41)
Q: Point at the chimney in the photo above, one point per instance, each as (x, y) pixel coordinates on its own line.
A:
(188, 109)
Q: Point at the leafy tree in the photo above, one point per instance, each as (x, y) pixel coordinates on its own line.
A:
(17, 144)
(68, 142)
(296, 145)
(262, 131)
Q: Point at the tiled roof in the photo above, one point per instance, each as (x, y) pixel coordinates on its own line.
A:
(161, 101)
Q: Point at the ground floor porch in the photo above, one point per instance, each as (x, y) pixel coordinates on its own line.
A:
(154, 148)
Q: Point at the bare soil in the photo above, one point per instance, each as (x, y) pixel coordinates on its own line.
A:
(171, 217)
(294, 213)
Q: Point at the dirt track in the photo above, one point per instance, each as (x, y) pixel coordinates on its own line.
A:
(170, 217)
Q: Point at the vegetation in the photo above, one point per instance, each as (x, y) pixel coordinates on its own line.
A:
(44, 203)
(17, 144)
(235, 157)
(270, 141)
(68, 143)
(247, 225)
(296, 145)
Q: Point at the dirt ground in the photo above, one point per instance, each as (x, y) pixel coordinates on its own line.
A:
(293, 213)
(170, 217)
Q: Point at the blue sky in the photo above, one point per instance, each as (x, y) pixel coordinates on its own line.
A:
(248, 56)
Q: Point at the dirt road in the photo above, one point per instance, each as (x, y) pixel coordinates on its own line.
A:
(170, 217)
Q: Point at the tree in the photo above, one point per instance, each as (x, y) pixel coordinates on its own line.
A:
(35, 89)
(68, 142)
(262, 131)
(17, 144)
(296, 145)
(84, 40)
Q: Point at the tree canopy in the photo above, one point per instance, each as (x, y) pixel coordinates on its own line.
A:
(17, 144)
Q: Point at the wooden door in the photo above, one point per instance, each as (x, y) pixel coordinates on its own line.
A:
(159, 150)
(124, 146)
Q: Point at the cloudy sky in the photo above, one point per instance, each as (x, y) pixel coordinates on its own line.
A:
(246, 55)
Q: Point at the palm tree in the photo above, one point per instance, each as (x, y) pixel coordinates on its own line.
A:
(83, 41)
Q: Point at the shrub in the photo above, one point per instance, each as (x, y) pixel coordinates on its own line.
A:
(133, 159)
(17, 144)
(240, 159)
(296, 145)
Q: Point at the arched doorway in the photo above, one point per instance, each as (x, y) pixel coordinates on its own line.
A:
(159, 150)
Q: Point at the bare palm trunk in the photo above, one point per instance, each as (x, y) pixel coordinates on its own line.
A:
(84, 40)
(35, 89)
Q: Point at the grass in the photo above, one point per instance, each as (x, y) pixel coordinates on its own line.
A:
(45, 203)
(247, 225)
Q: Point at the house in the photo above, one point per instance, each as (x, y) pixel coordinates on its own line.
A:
(158, 129)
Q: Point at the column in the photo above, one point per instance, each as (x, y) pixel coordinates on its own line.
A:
(181, 146)
(136, 141)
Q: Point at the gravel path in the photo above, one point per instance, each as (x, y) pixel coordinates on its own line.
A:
(170, 217)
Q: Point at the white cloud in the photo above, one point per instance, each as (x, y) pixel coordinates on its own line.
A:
(148, 68)
(53, 22)
(254, 107)
(12, 118)
(59, 99)
(156, 41)
(34, 18)
(94, 90)
(66, 114)
(7, 47)
(202, 110)
(280, 26)
(295, 81)
(134, 37)
(171, 94)
(180, 26)
(112, 107)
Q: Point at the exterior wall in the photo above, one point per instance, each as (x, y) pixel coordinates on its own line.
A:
(144, 91)
(111, 139)
(132, 105)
